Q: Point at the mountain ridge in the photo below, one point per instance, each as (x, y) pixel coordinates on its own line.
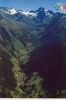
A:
(25, 12)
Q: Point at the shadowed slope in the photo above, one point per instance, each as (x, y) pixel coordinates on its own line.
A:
(49, 62)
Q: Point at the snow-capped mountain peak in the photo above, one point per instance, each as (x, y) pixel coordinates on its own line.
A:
(12, 11)
(48, 13)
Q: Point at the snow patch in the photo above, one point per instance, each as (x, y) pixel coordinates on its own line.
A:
(27, 13)
(48, 14)
(63, 16)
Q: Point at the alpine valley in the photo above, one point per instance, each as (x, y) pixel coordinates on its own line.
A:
(32, 53)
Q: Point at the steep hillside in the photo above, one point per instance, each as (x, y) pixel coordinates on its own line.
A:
(32, 53)
(16, 43)
(48, 61)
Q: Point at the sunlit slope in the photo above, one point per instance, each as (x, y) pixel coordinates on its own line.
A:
(15, 47)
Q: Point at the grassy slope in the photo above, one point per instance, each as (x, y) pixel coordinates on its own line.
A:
(11, 48)
(16, 43)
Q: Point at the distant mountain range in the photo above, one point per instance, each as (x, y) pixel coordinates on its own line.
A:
(32, 53)
(13, 11)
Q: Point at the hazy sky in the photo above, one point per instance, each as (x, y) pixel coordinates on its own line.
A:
(31, 4)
